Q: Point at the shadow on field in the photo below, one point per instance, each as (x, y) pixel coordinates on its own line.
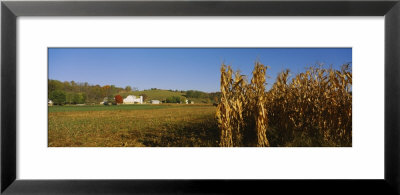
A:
(203, 134)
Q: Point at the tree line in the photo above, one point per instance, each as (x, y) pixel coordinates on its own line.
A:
(71, 92)
(78, 93)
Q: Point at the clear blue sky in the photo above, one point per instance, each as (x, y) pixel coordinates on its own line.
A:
(180, 68)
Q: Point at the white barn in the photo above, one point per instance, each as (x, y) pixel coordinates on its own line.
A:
(131, 99)
(155, 101)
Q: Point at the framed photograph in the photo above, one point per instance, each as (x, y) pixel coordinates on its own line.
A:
(201, 103)
(205, 97)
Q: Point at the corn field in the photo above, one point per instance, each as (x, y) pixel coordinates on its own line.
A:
(312, 108)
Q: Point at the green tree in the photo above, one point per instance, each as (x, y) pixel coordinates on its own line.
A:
(173, 99)
(54, 85)
(69, 98)
(111, 100)
(78, 98)
(182, 100)
(67, 86)
(128, 88)
(58, 97)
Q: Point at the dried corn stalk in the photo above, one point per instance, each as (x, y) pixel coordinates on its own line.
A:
(314, 108)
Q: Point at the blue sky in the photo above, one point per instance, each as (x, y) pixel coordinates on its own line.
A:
(180, 68)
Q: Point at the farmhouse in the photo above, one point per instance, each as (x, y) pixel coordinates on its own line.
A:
(131, 99)
(155, 101)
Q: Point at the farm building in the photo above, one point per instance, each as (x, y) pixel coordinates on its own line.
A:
(155, 101)
(131, 99)
(50, 103)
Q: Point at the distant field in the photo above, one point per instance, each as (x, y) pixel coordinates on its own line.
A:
(133, 125)
(157, 94)
(118, 107)
(160, 94)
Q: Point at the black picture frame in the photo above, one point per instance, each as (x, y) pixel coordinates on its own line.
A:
(10, 10)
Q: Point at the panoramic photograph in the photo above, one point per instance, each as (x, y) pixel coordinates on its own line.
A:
(199, 97)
